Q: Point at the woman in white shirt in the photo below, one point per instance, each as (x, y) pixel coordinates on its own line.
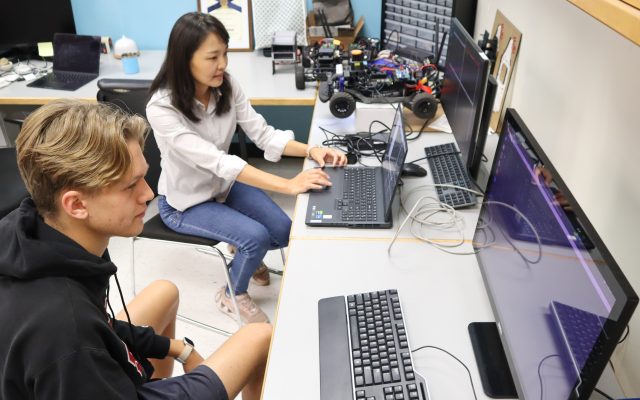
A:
(204, 191)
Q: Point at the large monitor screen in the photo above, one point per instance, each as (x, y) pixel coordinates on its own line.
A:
(559, 298)
(463, 91)
(25, 23)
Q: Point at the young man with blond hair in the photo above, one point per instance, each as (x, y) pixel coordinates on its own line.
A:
(84, 168)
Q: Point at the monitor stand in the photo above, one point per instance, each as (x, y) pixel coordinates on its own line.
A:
(492, 361)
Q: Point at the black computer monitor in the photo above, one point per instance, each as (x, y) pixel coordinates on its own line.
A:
(463, 94)
(546, 272)
(23, 24)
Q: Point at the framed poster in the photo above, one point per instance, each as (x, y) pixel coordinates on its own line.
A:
(235, 15)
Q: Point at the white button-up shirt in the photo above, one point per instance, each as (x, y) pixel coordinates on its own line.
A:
(196, 166)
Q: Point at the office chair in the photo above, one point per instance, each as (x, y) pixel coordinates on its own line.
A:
(13, 189)
(131, 96)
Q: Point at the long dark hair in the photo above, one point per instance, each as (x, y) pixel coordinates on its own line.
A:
(186, 36)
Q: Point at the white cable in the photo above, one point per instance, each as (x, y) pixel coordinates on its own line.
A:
(424, 214)
(423, 217)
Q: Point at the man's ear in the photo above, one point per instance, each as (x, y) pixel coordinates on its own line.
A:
(72, 203)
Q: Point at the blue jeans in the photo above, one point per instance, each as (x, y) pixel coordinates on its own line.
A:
(248, 219)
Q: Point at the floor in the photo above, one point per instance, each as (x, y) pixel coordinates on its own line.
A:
(197, 275)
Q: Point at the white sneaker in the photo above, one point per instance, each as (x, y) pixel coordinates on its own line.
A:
(249, 310)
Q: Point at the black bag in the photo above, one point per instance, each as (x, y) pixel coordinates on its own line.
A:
(337, 12)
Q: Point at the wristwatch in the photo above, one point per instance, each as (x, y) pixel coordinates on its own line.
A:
(186, 352)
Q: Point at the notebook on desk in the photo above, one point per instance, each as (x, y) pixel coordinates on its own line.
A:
(76, 62)
(361, 197)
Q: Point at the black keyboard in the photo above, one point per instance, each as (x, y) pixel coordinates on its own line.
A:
(580, 331)
(447, 168)
(359, 202)
(67, 76)
(364, 349)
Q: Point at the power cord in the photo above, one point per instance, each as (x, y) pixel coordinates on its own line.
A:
(424, 217)
(473, 388)
(360, 146)
(429, 215)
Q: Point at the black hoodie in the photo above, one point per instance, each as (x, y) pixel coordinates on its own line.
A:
(57, 340)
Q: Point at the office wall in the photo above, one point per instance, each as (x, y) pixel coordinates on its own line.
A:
(149, 22)
(577, 88)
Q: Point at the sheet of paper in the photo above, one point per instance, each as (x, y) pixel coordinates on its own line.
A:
(441, 124)
(45, 49)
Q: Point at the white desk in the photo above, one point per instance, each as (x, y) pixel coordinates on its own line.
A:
(440, 293)
(322, 117)
(440, 296)
(252, 69)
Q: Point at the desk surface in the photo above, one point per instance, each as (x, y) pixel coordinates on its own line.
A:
(322, 118)
(250, 68)
(440, 293)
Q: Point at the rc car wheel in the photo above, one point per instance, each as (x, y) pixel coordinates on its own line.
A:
(342, 105)
(300, 84)
(424, 105)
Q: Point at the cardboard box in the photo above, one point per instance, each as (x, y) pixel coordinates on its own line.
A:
(346, 35)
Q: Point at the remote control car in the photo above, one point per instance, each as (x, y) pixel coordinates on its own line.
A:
(383, 80)
(319, 61)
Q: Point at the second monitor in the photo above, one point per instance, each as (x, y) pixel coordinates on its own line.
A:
(467, 95)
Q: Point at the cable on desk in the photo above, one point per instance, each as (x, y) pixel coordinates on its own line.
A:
(420, 132)
(360, 146)
(424, 216)
(473, 388)
(419, 159)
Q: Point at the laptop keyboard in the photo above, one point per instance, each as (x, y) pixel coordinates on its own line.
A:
(446, 168)
(380, 357)
(66, 76)
(359, 201)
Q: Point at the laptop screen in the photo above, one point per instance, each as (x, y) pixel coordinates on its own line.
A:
(393, 160)
(76, 53)
(544, 265)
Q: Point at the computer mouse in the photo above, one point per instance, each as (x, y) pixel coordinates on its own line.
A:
(413, 170)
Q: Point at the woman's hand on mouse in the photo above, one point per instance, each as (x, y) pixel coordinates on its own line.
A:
(323, 155)
(314, 178)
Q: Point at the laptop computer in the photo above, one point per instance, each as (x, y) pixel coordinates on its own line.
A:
(76, 62)
(361, 197)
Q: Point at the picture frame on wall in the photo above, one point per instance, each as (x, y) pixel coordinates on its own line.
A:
(235, 15)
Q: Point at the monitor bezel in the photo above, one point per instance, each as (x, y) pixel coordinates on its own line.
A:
(399, 114)
(626, 297)
(471, 156)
